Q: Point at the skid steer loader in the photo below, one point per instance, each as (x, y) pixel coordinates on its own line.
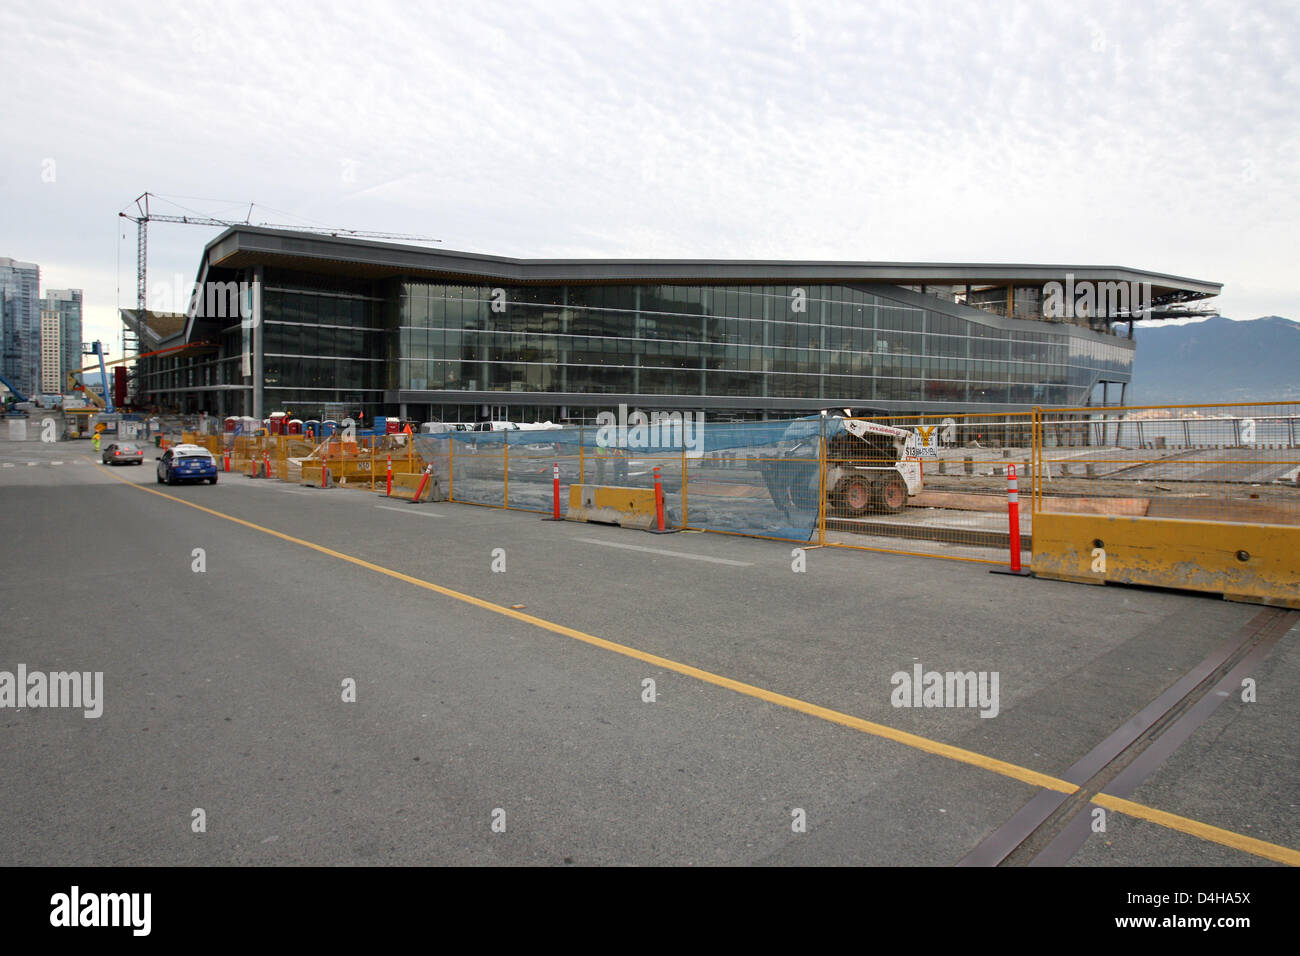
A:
(868, 467)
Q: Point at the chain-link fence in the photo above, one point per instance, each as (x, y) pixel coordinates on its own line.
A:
(926, 485)
(1234, 463)
(792, 480)
(933, 485)
(1205, 497)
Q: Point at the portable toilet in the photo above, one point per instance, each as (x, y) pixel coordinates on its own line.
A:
(295, 426)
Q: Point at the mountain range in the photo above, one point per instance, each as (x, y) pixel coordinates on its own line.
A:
(1217, 360)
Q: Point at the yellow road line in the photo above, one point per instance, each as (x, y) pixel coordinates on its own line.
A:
(880, 730)
(992, 764)
(1238, 841)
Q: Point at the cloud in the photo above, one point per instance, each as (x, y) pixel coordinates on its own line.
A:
(1161, 137)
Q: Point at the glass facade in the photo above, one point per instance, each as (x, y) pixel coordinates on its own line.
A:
(837, 343)
(322, 343)
(448, 347)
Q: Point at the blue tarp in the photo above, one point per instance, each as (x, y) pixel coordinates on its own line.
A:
(755, 477)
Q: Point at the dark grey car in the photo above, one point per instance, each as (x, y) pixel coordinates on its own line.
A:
(123, 453)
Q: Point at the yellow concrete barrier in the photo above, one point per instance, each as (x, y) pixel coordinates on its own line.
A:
(628, 507)
(404, 486)
(311, 474)
(356, 473)
(1255, 563)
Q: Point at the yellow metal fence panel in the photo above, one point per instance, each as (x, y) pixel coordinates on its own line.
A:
(934, 485)
(1205, 497)
(1184, 496)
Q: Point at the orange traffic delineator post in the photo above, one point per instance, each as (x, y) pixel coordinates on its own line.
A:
(555, 493)
(390, 476)
(227, 457)
(1013, 517)
(424, 482)
(324, 474)
(266, 464)
(659, 507)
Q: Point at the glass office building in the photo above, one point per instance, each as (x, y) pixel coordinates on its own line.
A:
(20, 325)
(427, 334)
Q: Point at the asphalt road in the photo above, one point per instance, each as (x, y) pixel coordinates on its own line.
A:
(223, 690)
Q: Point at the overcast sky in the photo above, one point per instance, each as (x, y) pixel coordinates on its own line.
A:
(1161, 136)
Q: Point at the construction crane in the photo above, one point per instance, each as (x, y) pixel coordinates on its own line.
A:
(144, 216)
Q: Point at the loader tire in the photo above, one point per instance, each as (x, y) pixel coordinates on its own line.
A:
(891, 494)
(855, 495)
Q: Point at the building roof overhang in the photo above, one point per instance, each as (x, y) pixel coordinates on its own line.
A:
(247, 246)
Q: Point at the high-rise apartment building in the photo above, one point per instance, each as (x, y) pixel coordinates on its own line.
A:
(51, 353)
(65, 306)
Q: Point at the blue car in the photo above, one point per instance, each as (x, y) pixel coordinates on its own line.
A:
(186, 463)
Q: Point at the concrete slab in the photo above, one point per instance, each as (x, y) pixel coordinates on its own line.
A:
(223, 689)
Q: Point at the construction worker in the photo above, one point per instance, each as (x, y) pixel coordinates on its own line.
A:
(95, 441)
